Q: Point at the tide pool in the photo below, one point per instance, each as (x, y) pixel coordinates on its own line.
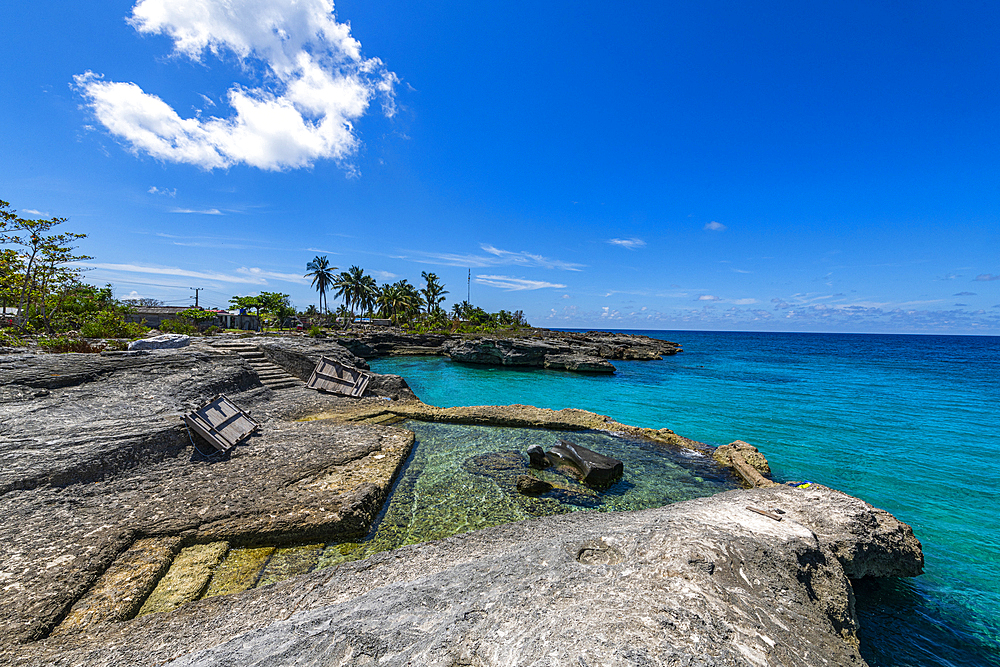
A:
(909, 423)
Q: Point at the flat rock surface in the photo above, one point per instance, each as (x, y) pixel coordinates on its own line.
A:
(95, 456)
(705, 582)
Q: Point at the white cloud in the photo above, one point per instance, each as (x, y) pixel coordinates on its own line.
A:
(715, 226)
(263, 275)
(631, 243)
(982, 277)
(495, 257)
(153, 190)
(514, 284)
(384, 275)
(316, 85)
(708, 297)
(174, 271)
(203, 211)
(744, 302)
(34, 212)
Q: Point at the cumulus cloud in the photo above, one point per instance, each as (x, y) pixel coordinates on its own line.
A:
(631, 243)
(985, 277)
(515, 284)
(708, 297)
(315, 85)
(715, 226)
(153, 190)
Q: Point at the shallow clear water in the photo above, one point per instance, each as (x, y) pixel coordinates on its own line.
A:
(908, 423)
(460, 478)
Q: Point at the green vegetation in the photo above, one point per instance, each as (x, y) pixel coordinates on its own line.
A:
(40, 284)
(418, 310)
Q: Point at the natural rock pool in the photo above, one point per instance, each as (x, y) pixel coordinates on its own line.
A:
(460, 478)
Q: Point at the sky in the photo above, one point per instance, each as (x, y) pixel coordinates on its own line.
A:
(771, 166)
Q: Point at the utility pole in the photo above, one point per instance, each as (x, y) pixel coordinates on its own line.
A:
(468, 297)
(196, 290)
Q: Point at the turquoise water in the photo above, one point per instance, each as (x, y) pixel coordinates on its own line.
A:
(908, 423)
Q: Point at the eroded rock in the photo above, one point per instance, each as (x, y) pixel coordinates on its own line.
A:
(704, 582)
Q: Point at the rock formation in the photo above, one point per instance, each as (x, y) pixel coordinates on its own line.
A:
(536, 348)
(705, 582)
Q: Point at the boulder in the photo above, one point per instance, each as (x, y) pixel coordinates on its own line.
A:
(162, 342)
(536, 455)
(532, 486)
(594, 469)
(578, 362)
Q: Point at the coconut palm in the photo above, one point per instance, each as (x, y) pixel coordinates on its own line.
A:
(433, 293)
(322, 277)
(399, 301)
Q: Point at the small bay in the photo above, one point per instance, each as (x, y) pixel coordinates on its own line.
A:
(908, 423)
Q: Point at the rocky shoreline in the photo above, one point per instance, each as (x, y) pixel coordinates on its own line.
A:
(116, 522)
(584, 352)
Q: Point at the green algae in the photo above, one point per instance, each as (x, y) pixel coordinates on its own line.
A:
(239, 571)
(289, 562)
(186, 579)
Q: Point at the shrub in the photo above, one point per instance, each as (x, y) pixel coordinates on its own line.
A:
(176, 326)
(212, 330)
(62, 344)
(316, 332)
(110, 324)
(8, 339)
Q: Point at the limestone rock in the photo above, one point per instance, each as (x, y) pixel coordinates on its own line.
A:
(704, 582)
(532, 486)
(595, 469)
(579, 363)
(299, 357)
(162, 342)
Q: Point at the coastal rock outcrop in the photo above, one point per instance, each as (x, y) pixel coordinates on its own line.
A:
(299, 357)
(94, 458)
(585, 352)
(704, 582)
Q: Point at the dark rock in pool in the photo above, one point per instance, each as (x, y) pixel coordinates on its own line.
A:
(595, 469)
(532, 486)
(537, 457)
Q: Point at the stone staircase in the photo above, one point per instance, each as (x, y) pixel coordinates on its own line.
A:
(270, 375)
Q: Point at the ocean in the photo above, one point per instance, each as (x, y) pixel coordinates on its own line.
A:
(909, 423)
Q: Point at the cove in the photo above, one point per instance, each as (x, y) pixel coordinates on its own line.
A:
(460, 478)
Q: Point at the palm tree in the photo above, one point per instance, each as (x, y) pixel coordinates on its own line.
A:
(322, 277)
(400, 301)
(433, 293)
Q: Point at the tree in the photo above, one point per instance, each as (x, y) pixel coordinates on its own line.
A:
(44, 261)
(322, 277)
(357, 289)
(400, 302)
(277, 305)
(433, 293)
(247, 302)
(143, 301)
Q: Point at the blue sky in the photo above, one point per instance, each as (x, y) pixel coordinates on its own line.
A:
(754, 166)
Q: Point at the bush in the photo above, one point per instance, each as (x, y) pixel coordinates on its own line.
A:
(8, 339)
(110, 324)
(212, 330)
(176, 326)
(63, 344)
(316, 332)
